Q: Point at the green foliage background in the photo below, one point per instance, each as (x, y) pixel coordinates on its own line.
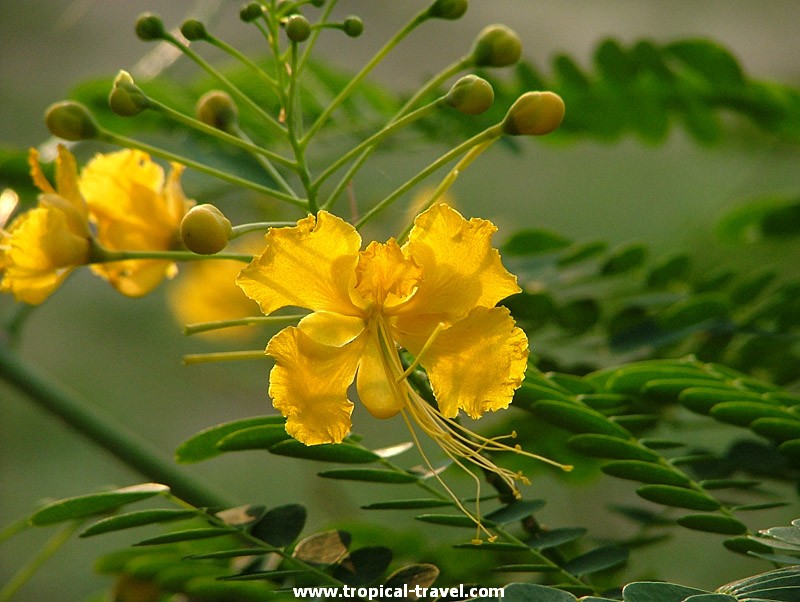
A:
(650, 197)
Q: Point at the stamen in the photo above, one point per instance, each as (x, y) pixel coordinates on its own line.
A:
(439, 327)
(223, 356)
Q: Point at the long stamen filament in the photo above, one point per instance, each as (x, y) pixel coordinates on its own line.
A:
(439, 327)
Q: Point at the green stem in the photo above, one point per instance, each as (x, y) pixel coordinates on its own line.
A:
(26, 572)
(377, 58)
(262, 159)
(436, 81)
(294, 124)
(130, 143)
(102, 255)
(366, 145)
(493, 132)
(222, 356)
(233, 89)
(245, 60)
(234, 140)
(110, 434)
(256, 226)
(190, 329)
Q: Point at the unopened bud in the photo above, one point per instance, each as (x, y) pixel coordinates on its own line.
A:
(217, 109)
(448, 9)
(496, 46)
(318, 3)
(205, 230)
(353, 26)
(150, 27)
(250, 12)
(534, 114)
(471, 95)
(194, 30)
(126, 98)
(71, 121)
(297, 28)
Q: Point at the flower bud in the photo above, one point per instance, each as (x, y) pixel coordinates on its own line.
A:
(150, 27)
(126, 98)
(297, 28)
(194, 30)
(71, 121)
(353, 26)
(471, 95)
(496, 46)
(250, 12)
(217, 109)
(318, 3)
(448, 9)
(205, 230)
(534, 114)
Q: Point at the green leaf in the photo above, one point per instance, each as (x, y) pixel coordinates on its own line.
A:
(555, 537)
(603, 446)
(702, 399)
(656, 591)
(569, 382)
(582, 252)
(534, 242)
(255, 437)
(708, 59)
(579, 315)
(656, 443)
(370, 475)
(408, 504)
(711, 598)
(745, 545)
(746, 224)
(450, 520)
(263, 575)
(493, 546)
(631, 379)
(713, 523)
(604, 401)
(672, 269)
(699, 309)
(646, 518)
(280, 526)
(343, 453)
(645, 472)
(578, 419)
(185, 535)
(225, 554)
(363, 566)
(94, 503)
(742, 413)
(729, 483)
(791, 449)
(136, 519)
(777, 429)
(764, 506)
(624, 259)
(526, 592)
(789, 535)
(515, 511)
(678, 497)
(203, 445)
(422, 575)
(597, 560)
(328, 547)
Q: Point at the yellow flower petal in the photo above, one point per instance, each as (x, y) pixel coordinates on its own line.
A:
(375, 381)
(384, 276)
(37, 175)
(460, 268)
(310, 265)
(331, 329)
(135, 277)
(39, 251)
(67, 181)
(477, 363)
(309, 383)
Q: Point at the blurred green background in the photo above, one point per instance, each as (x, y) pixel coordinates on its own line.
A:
(124, 355)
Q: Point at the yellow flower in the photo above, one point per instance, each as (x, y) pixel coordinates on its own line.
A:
(134, 209)
(434, 297)
(206, 292)
(42, 246)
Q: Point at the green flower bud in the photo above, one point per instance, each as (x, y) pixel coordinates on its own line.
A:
(534, 114)
(150, 27)
(71, 121)
(471, 95)
(448, 9)
(496, 46)
(126, 98)
(286, 8)
(217, 109)
(205, 230)
(250, 12)
(297, 28)
(194, 30)
(318, 3)
(353, 26)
